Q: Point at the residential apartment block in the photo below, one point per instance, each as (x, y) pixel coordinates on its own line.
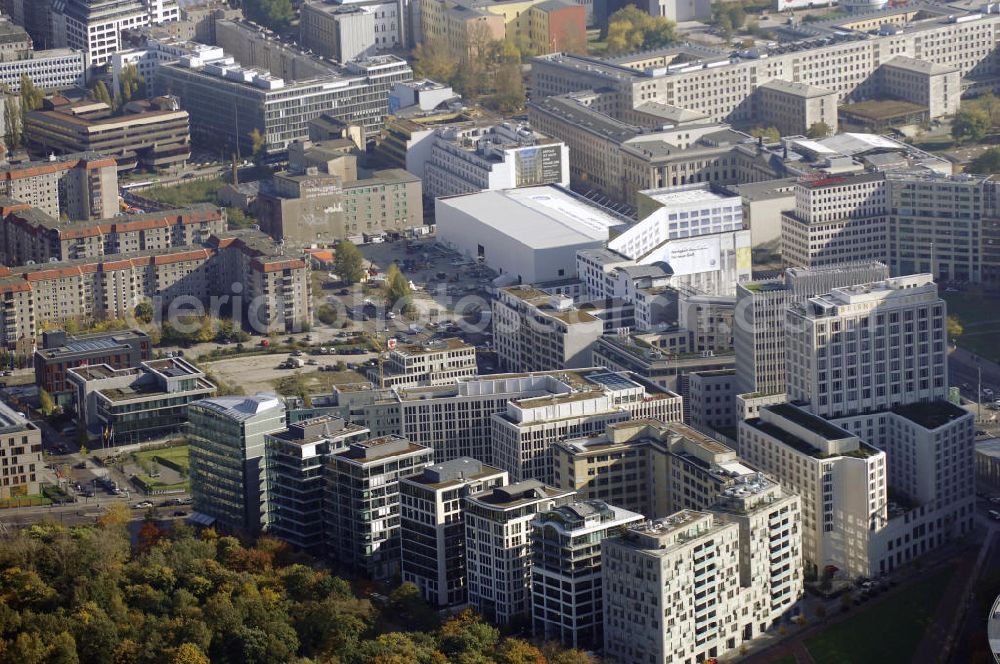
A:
(456, 418)
(149, 133)
(294, 461)
(760, 318)
(81, 186)
(648, 466)
(362, 503)
(566, 584)
(842, 482)
(498, 546)
(432, 526)
(535, 331)
(31, 235)
(272, 289)
(463, 26)
(437, 362)
(868, 348)
(663, 359)
(698, 584)
(21, 444)
(523, 435)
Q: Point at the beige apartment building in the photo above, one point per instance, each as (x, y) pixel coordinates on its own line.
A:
(31, 235)
(21, 450)
(537, 332)
(466, 26)
(648, 466)
(79, 186)
(436, 362)
(274, 288)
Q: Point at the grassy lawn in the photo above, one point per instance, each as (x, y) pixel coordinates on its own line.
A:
(25, 501)
(315, 382)
(150, 484)
(176, 456)
(933, 143)
(886, 632)
(186, 193)
(594, 44)
(980, 318)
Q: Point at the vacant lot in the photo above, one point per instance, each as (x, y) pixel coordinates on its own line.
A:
(260, 373)
(187, 193)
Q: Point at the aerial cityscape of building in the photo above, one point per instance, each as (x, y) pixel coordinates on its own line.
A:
(499, 331)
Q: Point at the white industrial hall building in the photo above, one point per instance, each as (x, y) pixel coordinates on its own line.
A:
(530, 234)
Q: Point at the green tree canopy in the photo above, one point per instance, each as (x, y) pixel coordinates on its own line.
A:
(350, 264)
(509, 95)
(433, 60)
(397, 286)
(274, 14)
(970, 125)
(987, 163)
(31, 97)
(259, 143)
(631, 29)
(14, 137)
(48, 406)
(100, 93)
(133, 86)
(818, 130)
(769, 134)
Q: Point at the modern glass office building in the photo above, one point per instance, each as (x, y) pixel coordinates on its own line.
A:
(226, 436)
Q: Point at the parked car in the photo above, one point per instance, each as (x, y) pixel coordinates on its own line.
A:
(143, 505)
(180, 513)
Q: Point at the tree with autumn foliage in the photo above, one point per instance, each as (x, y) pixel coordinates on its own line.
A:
(89, 595)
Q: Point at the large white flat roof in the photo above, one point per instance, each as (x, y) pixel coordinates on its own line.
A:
(687, 195)
(537, 216)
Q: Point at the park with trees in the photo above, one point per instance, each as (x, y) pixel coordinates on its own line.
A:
(94, 595)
